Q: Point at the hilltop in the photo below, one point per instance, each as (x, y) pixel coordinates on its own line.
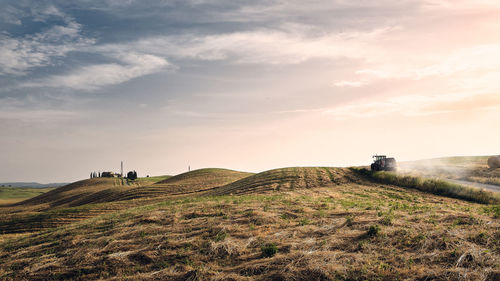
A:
(307, 223)
(287, 179)
(191, 182)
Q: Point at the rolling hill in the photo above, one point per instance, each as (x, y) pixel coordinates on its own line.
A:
(67, 204)
(88, 191)
(93, 197)
(286, 179)
(303, 223)
(187, 183)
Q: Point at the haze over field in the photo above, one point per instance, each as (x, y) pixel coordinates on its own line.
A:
(246, 85)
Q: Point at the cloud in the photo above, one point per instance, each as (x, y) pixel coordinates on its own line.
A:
(37, 115)
(31, 110)
(10, 15)
(380, 50)
(462, 5)
(92, 77)
(264, 46)
(462, 60)
(20, 55)
(44, 13)
(350, 83)
(414, 106)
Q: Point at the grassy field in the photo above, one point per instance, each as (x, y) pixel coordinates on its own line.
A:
(285, 224)
(151, 180)
(434, 186)
(10, 195)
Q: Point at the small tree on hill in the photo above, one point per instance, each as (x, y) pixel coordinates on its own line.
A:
(132, 175)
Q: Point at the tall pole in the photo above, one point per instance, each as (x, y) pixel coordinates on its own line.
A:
(121, 171)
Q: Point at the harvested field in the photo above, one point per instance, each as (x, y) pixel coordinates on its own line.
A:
(320, 233)
(186, 183)
(288, 179)
(312, 223)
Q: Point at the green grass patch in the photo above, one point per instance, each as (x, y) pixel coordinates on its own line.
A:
(269, 250)
(373, 231)
(151, 180)
(434, 186)
(493, 210)
(21, 192)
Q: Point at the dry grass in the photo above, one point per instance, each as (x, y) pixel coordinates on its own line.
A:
(286, 179)
(88, 191)
(77, 193)
(10, 201)
(186, 183)
(434, 186)
(321, 233)
(326, 223)
(93, 197)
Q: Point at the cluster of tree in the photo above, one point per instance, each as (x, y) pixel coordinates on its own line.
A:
(132, 175)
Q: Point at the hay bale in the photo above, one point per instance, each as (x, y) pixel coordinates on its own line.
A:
(494, 162)
(226, 248)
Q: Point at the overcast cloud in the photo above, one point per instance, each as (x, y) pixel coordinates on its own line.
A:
(246, 85)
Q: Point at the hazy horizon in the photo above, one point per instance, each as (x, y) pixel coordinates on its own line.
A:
(243, 85)
(190, 168)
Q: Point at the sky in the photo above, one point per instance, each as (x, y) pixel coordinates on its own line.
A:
(248, 85)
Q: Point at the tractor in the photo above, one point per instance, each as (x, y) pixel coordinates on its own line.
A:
(382, 163)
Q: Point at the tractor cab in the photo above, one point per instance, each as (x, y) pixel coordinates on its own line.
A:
(379, 157)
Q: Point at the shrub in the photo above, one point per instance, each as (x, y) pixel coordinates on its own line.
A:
(373, 230)
(304, 221)
(220, 236)
(269, 250)
(387, 220)
(349, 220)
